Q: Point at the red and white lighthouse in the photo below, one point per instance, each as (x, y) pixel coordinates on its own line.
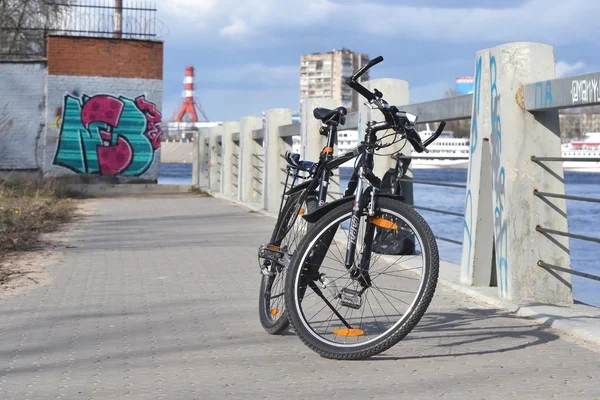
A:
(189, 104)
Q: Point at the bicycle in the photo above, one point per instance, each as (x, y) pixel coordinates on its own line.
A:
(333, 323)
(297, 199)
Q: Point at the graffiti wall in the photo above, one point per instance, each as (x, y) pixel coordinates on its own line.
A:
(108, 135)
(103, 127)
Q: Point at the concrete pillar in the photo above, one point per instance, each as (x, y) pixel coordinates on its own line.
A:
(204, 158)
(215, 133)
(228, 148)
(248, 148)
(196, 161)
(395, 92)
(478, 234)
(312, 142)
(514, 136)
(275, 147)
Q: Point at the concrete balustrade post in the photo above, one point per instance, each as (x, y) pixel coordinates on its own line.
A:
(248, 174)
(204, 158)
(228, 149)
(514, 136)
(275, 147)
(478, 234)
(395, 92)
(196, 160)
(215, 134)
(311, 141)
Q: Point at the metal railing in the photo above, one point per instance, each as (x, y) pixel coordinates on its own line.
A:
(550, 232)
(23, 32)
(219, 162)
(236, 170)
(258, 165)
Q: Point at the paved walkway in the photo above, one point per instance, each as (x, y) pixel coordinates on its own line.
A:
(158, 300)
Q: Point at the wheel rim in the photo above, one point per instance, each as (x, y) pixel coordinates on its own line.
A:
(327, 328)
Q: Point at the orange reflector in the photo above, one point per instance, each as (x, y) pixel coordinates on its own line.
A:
(301, 211)
(274, 248)
(274, 311)
(349, 332)
(328, 150)
(384, 223)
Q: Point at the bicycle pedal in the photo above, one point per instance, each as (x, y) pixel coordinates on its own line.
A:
(350, 298)
(271, 253)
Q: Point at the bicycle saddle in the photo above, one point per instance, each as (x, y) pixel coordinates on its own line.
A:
(327, 116)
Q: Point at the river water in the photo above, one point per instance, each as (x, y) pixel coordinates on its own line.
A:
(583, 218)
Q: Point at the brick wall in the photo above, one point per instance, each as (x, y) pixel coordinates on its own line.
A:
(21, 114)
(102, 57)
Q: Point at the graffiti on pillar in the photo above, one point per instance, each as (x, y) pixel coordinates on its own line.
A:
(108, 135)
(468, 219)
(498, 185)
(543, 94)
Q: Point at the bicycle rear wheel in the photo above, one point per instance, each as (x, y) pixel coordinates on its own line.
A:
(342, 317)
(287, 235)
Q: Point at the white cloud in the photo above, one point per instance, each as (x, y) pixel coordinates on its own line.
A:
(238, 20)
(563, 68)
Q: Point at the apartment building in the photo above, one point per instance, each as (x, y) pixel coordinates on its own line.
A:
(324, 75)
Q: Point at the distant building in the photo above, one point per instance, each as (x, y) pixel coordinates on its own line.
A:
(324, 75)
(464, 85)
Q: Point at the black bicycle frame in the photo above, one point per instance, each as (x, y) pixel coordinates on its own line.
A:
(321, 178)
(365, 172)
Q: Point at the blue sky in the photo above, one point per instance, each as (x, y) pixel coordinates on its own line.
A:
(247, 52)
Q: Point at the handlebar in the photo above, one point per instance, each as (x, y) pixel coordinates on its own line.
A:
(437, 133)
(353, 80)
(390, 113)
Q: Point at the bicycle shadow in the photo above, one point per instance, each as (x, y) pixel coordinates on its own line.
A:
(465, 332)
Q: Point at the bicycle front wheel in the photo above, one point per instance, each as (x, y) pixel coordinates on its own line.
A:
(342, 315)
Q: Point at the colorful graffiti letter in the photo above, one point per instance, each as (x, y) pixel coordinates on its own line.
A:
(106, 135)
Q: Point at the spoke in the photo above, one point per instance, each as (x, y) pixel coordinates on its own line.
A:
(372, 312)
(386, 297)
(382, 310)
(395, 290)
(361, 320)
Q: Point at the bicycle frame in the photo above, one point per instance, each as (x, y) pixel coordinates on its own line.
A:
(357, 193)
(320, 179)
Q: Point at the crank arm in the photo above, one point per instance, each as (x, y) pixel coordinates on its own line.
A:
(319, 293)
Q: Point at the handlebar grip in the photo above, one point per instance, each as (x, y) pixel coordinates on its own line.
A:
(364, 69)
(376, 60)
(437, 133)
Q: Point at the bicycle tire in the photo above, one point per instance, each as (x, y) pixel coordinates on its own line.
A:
(294, 292)
(274, 320)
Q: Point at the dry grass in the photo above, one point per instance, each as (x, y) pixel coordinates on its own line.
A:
(27, 210)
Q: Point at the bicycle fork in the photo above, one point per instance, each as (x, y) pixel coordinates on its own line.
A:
(361, 272)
